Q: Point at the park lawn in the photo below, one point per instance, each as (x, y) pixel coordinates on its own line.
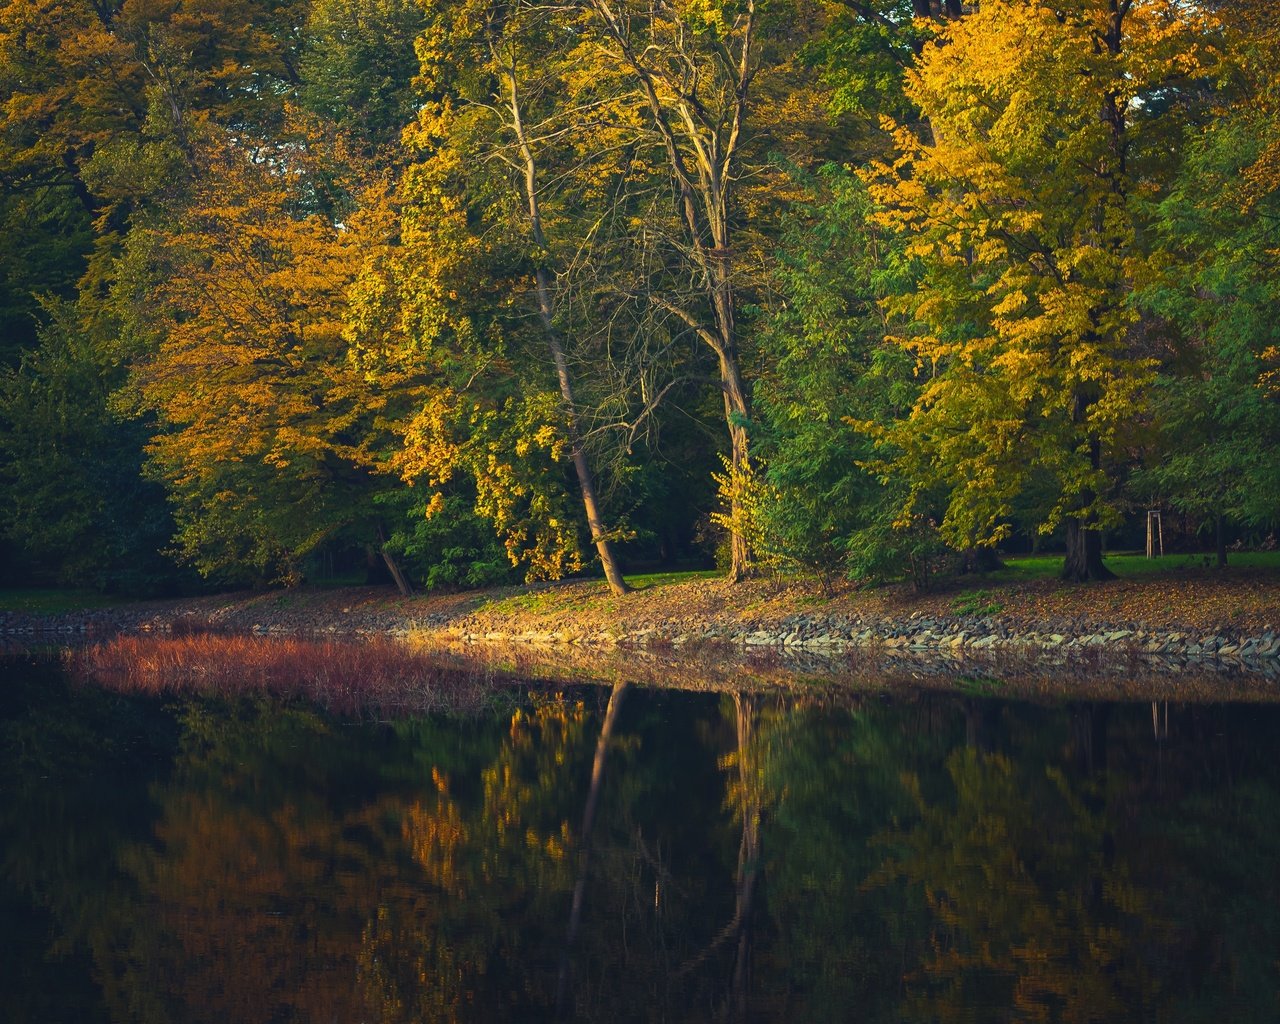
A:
(1129, 564)
(642, 581)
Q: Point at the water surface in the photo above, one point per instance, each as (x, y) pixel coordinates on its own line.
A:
(633, 854)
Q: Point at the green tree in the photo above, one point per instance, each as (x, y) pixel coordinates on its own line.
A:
(76, 504)
(1219, 420)
(358, 64)
(828, 368)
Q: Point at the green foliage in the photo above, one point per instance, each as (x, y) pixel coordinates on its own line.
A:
(76, 501)
(353, 272)
(1219, 422)
(45, 236)
(831, 372)
(452, 547)
(863, 54)
(358, 64)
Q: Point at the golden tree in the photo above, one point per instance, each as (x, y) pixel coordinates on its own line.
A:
(267, 427)
(1022, 205)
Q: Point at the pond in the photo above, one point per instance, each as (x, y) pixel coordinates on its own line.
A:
(628, 853)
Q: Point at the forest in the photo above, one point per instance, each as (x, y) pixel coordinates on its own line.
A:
(468, 291)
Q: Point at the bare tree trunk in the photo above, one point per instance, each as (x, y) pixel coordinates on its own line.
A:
(735, 412)
(401, 580)
(546, 312)
(1220, 539)
(703, 171)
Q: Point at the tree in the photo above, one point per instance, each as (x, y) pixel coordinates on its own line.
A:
(101, 104)
(511, 97)
(70, 469)
(1022, 207)
(428, 324)
(827, 368)
(267, 436)
(1219, 420)
(694, 65)
(358, 65)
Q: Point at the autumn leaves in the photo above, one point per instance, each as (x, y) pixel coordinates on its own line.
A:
(526, 272)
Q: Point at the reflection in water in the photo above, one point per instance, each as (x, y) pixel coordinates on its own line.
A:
(632, 854)
(584, 840)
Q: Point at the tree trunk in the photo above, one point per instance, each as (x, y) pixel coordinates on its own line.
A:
(401, 580)
(1084, 554)
(546, 312)
(1084, 539)
(581, 468)
(704, 204)
(1220, 539)
(735, 411)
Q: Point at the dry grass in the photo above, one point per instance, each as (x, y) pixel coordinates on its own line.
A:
(347, 677)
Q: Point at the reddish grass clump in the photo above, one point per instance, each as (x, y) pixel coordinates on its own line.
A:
(345, 676)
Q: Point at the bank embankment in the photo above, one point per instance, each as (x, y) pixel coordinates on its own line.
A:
(1231, 619)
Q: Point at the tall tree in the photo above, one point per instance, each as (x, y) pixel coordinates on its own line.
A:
(267, 428)
(1217, 407)
(695, 65)
(1022, 206)
(826, 367)
(431, 322)
(513, 96)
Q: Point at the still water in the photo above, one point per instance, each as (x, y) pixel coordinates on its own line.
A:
(631, 854)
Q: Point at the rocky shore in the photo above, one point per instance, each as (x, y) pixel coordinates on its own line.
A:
(688, 617)
(957, 636)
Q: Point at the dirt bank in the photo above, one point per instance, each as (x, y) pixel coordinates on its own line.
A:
(1198, 614)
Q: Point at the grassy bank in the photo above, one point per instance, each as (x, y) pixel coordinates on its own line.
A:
(1174, 591)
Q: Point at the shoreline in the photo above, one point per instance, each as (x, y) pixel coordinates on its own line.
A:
(1030, 621)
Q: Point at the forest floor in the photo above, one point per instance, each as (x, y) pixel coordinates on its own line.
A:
(1170, 593)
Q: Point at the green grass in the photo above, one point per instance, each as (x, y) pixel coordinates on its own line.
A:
(975, 602)
(51, 601)
(537, 601)
(980, 686)
(661, 579)
(554, 599)
(1133, 564)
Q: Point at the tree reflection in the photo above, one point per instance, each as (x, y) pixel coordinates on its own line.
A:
(630, 855)
(584, 840)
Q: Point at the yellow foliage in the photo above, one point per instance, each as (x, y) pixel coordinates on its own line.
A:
(1017, 200)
